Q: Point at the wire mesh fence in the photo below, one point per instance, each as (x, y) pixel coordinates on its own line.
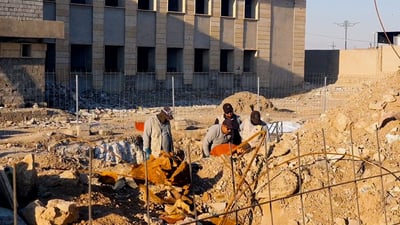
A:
(121, 91)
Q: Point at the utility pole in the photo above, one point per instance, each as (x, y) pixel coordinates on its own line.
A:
(346, 24)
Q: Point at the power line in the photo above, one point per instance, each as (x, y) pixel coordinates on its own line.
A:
(346, 24)
(332, 45)
(337, 38)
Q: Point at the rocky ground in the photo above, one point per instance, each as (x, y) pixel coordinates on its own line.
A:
(338, 168)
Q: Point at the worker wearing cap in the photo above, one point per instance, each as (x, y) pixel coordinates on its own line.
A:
(157, 135)
(218, 134)
(229, 114)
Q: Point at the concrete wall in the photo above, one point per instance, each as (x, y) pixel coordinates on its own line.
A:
(22, 77)
(202, 32)
(287, 42)
(114, 26)
(81, 24)
(146, 36)
(175, 31)
(22, 9)
(349, 66)
(21, 81)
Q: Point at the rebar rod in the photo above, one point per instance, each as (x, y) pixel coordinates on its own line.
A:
(380, 171)
(146, 175)
(300, 182)
(262, 132)
(90, 185)
(354, 174)
(15, 201)
(327, 175)
(191, 180)
(270, 195)
(233, 181)
(291, 196)
(228, 211)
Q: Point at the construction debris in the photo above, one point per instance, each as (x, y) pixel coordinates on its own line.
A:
(57, 212)
(332, 163)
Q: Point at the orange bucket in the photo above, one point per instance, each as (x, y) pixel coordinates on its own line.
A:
(139, 126)
(223, 149)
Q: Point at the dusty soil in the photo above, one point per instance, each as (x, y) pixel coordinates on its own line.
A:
(358, 185)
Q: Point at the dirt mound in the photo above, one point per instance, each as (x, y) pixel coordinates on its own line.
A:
(242, 101)
(350, 129)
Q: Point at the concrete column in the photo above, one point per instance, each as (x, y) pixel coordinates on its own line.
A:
(98, 44)
(299, 40)
(62, 45)
(215, 36)
(264, 43)
(130, 37)
(188, 54)
(239, 34)
(161, 39)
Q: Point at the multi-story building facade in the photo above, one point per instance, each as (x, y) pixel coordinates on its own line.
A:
(22, 51)
(203, 44)
(230, 41)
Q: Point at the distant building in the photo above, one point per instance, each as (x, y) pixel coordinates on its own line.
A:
(392, 37)
(23, 51)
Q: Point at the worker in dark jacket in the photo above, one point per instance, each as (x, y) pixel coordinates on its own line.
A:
(229, 114)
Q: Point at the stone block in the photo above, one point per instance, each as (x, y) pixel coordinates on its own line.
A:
(82, 130)
(180, 124)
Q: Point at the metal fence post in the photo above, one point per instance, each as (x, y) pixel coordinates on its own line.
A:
(325, 94)
(258, 93)
(77, 98)
(173, 93)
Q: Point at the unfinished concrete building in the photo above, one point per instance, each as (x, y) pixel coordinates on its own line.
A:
(22, 51)
(225, 43)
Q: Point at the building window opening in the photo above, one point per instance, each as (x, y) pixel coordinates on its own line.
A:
(114, 3)
(81, 58)
(202, 7)
(227, 8)
(145, 59)
(146, 4)
(249, 60)
(175, 6)
(113, 59)
(226, 61)
(26, 50)
(201, 59)
(83, 2)
(174, 60)
(250, 9)
(50, 61)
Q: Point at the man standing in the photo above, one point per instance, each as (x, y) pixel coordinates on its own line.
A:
(252, 125)
(157, 133)
(218, 134)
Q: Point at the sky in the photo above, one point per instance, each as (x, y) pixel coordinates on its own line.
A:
(325, 21)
